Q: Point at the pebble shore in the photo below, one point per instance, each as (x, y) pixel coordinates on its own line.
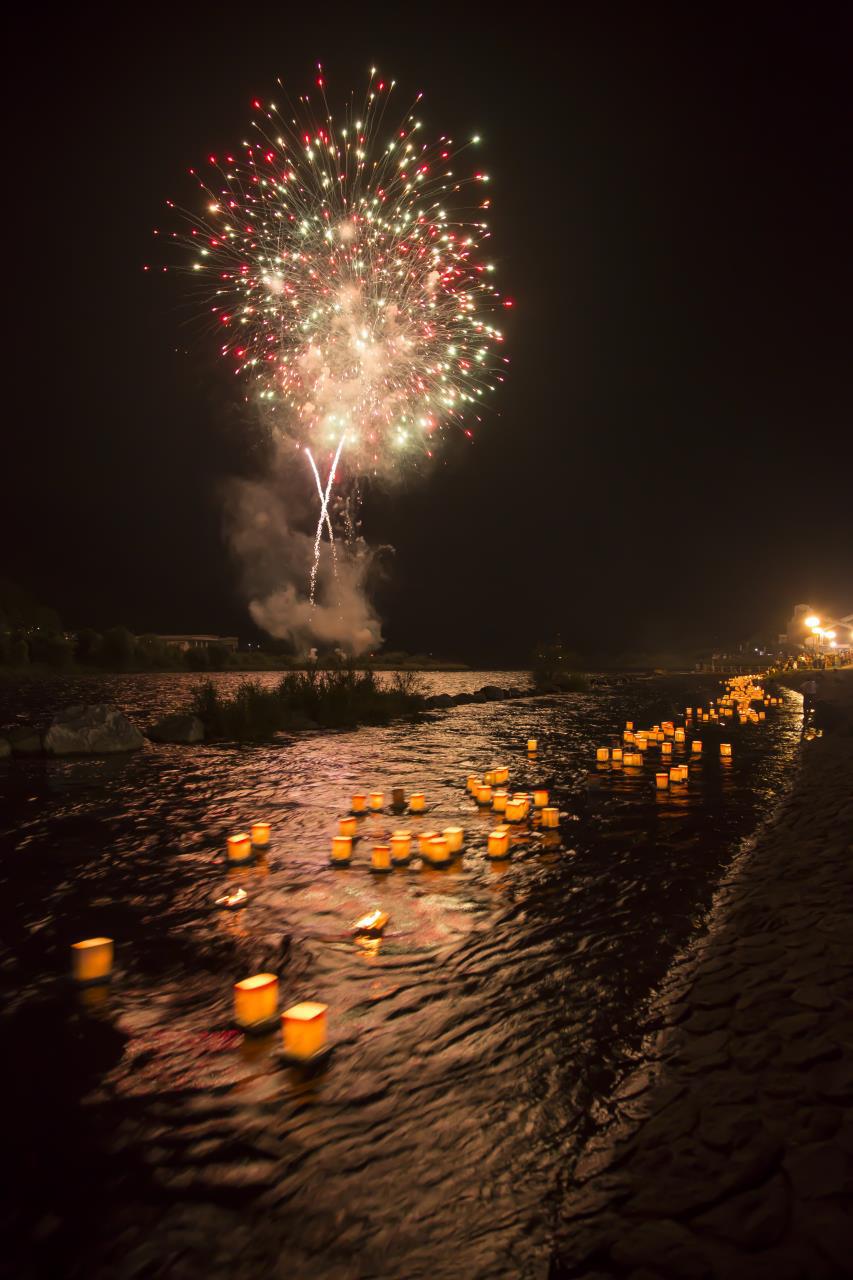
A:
(727, 1153)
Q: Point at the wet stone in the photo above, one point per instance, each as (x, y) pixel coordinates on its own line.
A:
(811, 995)
(818, 1171)
(753, 1219)
(665, 1243)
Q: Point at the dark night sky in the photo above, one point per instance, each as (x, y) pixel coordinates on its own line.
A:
(673, 202)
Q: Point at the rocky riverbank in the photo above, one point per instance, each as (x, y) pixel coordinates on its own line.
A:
(728, 1151)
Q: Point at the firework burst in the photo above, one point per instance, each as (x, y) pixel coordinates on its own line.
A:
(341, 263)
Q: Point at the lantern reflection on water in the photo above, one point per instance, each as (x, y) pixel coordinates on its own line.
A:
(92, 960)
(303, 1030)
(255, 1000)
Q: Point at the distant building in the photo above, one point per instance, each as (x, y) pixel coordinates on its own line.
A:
(184, 643)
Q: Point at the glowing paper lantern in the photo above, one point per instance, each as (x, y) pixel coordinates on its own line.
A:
(303, 1030)
(92, 960)
(437, 851)
(260, 834)
(629, 724)
(602, 754)
(401, 847)
(499, 799)
(550, 817)
(498, 844)
(491, 777)
(424, 839)
(679, 735)
(696, 747)
(381, 858)
(532, 745)
(417, 802)
(255, 1000)
(347, 826)
(666, 749)
(726, 750)
(341, 850)
(377, 801)
(514, 811)
(661, 781)
(616, 755)
(454, 837)
(239, 848)
(473, 783)
(540, 797)
(359, 804)
(483, 794)
(502, 775)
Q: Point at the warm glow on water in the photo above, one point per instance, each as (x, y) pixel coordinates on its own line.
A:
(470, 1038)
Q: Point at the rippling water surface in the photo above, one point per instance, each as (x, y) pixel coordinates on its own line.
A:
(470, 1045)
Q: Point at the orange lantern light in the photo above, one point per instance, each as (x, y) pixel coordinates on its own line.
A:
(92, 960)
(303, 1030)
(255, 1000)
(239, 848)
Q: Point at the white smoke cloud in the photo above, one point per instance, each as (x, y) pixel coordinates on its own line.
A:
(275, 555)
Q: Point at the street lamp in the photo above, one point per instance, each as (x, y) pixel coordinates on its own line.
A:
(812, 621)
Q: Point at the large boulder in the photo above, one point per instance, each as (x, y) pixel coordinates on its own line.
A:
(95, 730)
(440, 700)
(492, 693)
(25, 740)
(177, 728)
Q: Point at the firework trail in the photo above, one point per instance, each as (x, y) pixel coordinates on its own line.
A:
(324, 514)
(340, 261)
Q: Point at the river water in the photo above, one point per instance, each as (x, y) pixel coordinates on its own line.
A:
(471, 1046)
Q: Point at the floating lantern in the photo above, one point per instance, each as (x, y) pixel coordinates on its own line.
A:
(602, 754)
(377, 801)
(483, 794)
(239, 848)
(473, 783)
(641, 742)
(454, 837)
(398, 798)
(502, 775)
(374, 922)
(401, 847)
(347, 827)
(514, 810)
(381, 858)
(696, 747)
(675, 773)
(417, 802)
(359, 804)
(437, 852)
(232, 901)
(498, 844)
(679, 735)
(616, 755)
(629, 724)
(661, 781)
(666, 749)
(260, 834)
(627, 736)
(92, 960)
(532, 744)
(499, 799)
(491, 777)
(688, 711)
(726, 750)
(762, 715)
(255, 1001)
(342, 850)
(540, 797)
(303, 1030)
(550, 817)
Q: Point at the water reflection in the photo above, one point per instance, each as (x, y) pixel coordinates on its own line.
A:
(471, 1038)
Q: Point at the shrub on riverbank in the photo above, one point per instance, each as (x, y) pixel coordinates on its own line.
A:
(303, 699)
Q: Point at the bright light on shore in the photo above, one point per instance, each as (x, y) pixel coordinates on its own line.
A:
(812, 621)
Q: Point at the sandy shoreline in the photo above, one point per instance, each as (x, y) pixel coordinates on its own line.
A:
(728, 1151)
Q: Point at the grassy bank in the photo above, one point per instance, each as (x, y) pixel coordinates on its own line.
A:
(306, 699)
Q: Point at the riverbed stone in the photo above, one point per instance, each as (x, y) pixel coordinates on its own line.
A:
(177, 728)
(98, 729)
(25, 740)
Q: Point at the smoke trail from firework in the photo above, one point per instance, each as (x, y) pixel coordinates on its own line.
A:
(324, 514)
